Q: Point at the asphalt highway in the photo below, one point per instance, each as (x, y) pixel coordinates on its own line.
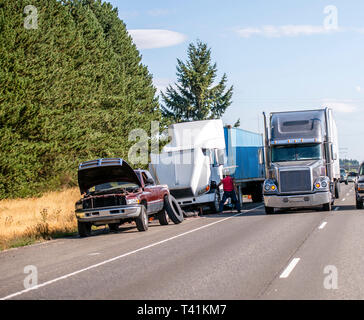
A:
(301, 254)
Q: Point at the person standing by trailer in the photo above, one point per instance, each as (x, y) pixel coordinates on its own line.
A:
(229, 192)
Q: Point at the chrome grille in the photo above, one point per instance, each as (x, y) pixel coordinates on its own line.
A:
(101, 202)
(295, 181)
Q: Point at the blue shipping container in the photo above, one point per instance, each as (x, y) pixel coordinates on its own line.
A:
(244, 151)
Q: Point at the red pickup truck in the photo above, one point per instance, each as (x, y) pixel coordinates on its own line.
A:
(113, 193)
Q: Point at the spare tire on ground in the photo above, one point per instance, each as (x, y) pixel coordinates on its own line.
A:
(173, 209)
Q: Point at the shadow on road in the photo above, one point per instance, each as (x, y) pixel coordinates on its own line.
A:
(346, 207)
(260, 211)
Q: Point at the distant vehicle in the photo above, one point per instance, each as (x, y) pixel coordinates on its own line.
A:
(359, 187)
(114, 193)
(352, 176)
(343, 176)
(303, 169)
(200, 153)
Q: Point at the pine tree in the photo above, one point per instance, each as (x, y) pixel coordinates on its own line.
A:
(195, 97)
(70, 91)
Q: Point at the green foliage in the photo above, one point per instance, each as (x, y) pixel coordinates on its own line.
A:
(70, 90)
(195, 97)
(237, 123)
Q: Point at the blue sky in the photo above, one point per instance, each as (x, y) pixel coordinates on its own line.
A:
(279, 55)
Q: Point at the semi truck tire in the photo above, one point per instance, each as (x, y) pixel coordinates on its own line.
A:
(173, 209)
(359, 204)
(84, 229)
(214, 206)
(327, 207)
(142, 220)
(163, 218)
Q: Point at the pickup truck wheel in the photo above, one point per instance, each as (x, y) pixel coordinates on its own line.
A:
(84, 229)
(142, 220)
(163, 218)
(173, 209)
(269, 210)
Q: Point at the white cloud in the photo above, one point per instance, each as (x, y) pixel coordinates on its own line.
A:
(340, 106)
(271, 31)
(358, 88)
(156, 38)
(283, 31)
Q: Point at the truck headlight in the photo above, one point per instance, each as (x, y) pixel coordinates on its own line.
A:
(322, 183)
(132, 201)
(204, 190)
(270, 186)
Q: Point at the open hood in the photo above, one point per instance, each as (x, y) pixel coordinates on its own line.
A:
(91, 173)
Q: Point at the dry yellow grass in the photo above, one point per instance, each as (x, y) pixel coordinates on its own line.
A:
(26, 220)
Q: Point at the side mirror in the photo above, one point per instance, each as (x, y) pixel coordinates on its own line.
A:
(220, 155)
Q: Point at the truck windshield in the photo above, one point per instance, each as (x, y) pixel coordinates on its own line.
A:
(296, 152)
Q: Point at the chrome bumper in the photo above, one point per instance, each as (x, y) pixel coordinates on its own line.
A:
(297, 201)
(108, 214)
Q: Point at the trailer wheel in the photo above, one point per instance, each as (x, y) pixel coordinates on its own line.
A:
(269, 210)
(163, 218)
(142, 220)
(173, 209)
(215, 206)
(84, 229)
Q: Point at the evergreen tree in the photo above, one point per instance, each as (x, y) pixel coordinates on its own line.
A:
(70, 91)
(195, 97)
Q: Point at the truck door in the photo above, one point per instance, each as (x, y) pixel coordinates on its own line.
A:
(155, 203)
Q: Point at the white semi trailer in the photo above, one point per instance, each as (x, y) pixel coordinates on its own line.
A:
(192, 163)
(302, 167)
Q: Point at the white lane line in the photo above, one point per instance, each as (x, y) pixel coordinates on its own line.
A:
(94, 254)
(323, 225)
(121, 256)
(291, 266)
